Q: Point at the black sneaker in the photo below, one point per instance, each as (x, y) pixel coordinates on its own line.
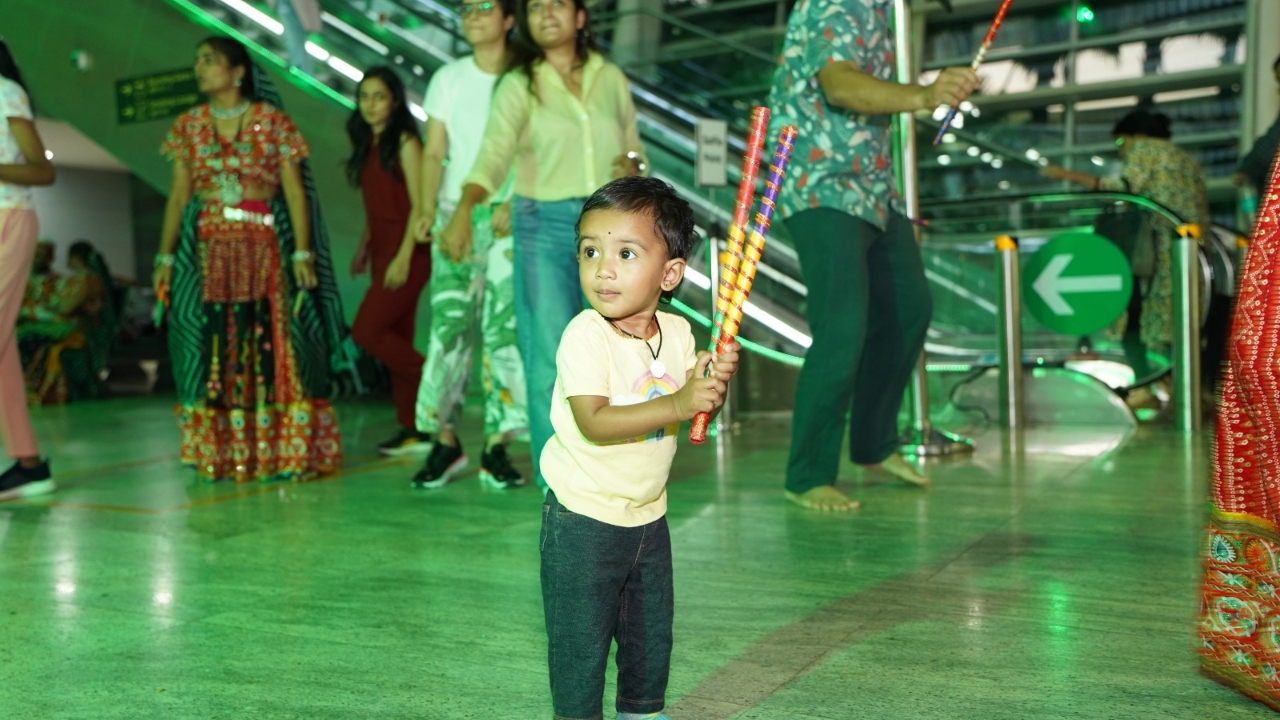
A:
(442, 464)
(496, 471)
(18, 483)
(406, 442)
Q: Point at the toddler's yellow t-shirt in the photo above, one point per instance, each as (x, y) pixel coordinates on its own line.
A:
(622, 483)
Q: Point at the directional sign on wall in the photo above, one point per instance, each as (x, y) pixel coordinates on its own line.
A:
(710, 166)
(1077, 283)
(156, 97)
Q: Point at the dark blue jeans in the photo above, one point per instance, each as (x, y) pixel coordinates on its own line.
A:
(600, 583)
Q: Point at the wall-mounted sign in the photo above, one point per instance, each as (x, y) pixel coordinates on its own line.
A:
(156, 97)
(711, 163)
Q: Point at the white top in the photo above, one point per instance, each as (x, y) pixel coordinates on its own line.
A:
(459, 95)
(13, 104)
(621, 483)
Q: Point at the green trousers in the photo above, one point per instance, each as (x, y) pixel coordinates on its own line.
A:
(473, 301)
(868, 309)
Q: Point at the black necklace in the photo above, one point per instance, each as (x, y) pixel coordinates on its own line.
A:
(656, 368)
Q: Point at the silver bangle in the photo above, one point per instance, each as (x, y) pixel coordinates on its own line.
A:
(302, 256)
(165, 260)
(640, 166)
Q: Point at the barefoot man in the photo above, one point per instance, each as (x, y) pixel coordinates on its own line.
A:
(868, 300)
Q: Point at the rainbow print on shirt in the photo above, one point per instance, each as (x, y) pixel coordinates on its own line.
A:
(647, 387)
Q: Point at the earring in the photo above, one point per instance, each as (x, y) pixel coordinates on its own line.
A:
(236, 82)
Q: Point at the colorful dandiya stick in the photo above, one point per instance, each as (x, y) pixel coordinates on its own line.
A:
(977, 62)
(746, 274)
(741, 214)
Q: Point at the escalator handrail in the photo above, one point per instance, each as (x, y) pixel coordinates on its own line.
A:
(687, 26)
(1108, 196)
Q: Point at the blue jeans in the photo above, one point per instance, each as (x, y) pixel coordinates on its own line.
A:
(601, 583)
(548, 296)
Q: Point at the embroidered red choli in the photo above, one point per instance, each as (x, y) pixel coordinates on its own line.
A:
(268, 138)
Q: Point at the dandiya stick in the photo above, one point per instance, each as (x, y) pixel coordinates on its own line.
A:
(741, 214)
(977, 62)
(162, 299)
(746, 274)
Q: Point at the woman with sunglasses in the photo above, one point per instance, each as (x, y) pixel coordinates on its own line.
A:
(563, 115)
(471, 294)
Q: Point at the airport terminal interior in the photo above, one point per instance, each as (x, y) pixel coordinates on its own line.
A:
(1060, 561)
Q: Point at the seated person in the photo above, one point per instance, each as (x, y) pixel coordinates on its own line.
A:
(65, 338)
(43, 282)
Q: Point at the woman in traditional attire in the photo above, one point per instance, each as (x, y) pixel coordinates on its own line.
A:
(66, 343)
(1240, 602)
(243, 266)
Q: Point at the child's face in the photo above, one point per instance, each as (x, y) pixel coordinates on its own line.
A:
(623, 266)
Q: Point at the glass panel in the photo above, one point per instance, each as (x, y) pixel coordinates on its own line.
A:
(961, 265)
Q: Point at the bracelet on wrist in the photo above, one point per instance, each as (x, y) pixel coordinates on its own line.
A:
(165, 260)
(301, 256)
(640, 165)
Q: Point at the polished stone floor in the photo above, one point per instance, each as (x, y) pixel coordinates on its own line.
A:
(1054, 577)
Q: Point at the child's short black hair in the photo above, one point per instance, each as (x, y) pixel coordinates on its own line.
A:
(672, 216)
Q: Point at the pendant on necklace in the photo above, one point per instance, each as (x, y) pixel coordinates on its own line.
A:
(657, 370)
(230, 193)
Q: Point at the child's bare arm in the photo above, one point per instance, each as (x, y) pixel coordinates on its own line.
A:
(600, 422)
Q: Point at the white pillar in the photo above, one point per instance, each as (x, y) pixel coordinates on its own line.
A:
(637, 36)
(1262, 101)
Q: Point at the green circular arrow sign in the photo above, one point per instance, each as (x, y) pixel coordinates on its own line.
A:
(1077, 283)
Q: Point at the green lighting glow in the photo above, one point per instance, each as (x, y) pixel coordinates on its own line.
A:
(1084, 14)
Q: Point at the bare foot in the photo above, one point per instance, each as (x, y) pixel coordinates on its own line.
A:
(824, 498)
(897, 466)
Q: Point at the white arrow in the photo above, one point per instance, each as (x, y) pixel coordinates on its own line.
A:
(1051, 285)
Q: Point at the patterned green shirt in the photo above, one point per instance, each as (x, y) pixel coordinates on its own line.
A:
(842, 159)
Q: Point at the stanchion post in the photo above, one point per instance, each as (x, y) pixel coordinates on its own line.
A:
(1186, 328)
(1012, 407)
(921, 438)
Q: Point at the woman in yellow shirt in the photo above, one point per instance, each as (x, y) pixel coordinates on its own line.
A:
(563, 114)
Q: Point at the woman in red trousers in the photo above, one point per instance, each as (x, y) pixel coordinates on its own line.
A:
(386, 164)
(1240, 600)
